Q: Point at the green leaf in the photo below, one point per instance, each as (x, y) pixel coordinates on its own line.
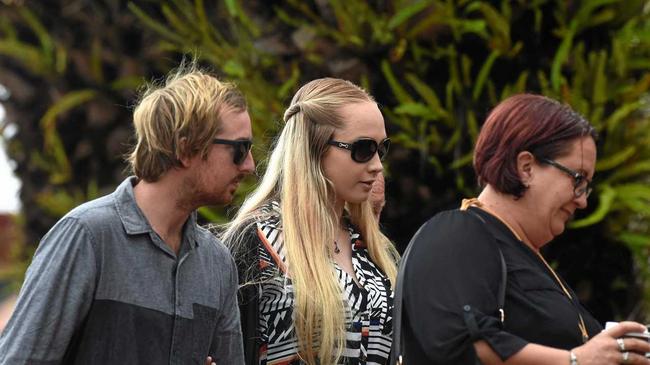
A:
(41, 32)
(127, 83)
(642, 167)
(635, 241)
(462, 161)
(405, 139)
(395, 86)
(466, 70)
(483, 74)
(155, 25)
(30, 56)
(8, 30)
(53, 145)
(232, 7)
(428, 94)
(635, 196)
(433, 161)
(477, 27)
(58, 202)
(290, 84)
(499, 25)
(406, 13)
(182, 26)
(600, 79)
(96, 64)
(615, 160)
(520, 84)
(585, 15)
(544, 83)
(60, 61)
(472, 125)
(639, 190)
(425, 24)
(234, 69)
(561, 56)
(416, 110)
(621, 113)
(65, 103)
(596, 116)
(210, 215)
(236, 11)
(601, 17)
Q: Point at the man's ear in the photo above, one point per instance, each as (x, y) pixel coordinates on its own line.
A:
(183, 152)
(525, 167)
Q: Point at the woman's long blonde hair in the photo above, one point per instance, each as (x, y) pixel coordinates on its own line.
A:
(294, 177)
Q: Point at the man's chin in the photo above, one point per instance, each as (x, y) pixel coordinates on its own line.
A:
(225, 199)
(220, 200)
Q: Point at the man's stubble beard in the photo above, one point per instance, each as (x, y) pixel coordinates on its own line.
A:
(192, 194)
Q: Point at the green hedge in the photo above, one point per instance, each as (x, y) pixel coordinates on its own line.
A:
(436, 67)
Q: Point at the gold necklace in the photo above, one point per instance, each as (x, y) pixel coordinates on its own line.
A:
(466, 203)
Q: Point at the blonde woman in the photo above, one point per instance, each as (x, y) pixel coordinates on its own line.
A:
(316, 270)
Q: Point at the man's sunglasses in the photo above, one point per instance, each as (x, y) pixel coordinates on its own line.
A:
(241, 147)
(581, 185)
(364, 149)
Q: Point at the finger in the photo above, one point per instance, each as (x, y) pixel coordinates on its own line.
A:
(624, 327)
(208, 361)
(635, 359)
(636, 345)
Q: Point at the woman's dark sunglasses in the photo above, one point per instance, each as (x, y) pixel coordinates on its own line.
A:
(364, 149)
(240, 148)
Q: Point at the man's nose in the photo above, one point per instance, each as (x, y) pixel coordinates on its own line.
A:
(248, 166)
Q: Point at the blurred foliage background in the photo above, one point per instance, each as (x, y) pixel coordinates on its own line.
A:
(72, 69)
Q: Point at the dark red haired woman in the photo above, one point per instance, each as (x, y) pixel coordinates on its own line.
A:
(535, 160)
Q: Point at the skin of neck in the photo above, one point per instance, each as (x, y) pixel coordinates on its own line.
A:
(339, 206)
(514, 212)
(159, 202)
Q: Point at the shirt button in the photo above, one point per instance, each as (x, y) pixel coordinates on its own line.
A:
(467, 308)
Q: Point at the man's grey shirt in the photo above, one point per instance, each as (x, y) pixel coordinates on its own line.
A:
(103, 288)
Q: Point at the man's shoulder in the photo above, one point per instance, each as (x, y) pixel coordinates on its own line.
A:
(213, 245)
(100, 210)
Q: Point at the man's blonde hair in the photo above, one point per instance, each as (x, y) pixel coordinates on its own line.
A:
(179, 119)
(295, 178)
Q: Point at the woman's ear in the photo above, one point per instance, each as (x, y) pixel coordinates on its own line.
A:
(525, 165)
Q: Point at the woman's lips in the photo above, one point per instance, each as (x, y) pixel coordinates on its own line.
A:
(568, 213)
(367, 184)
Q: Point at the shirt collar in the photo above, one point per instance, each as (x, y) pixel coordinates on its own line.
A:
(133, 219)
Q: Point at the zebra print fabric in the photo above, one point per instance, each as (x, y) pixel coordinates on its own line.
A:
(369, 306)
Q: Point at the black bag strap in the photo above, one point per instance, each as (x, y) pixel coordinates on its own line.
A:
(249, 297)
(397, 348)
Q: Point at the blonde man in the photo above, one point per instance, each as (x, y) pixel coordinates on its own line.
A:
(318, 272)
(130, 278)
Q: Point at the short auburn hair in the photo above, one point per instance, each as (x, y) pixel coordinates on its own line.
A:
(524, 122)
(188, 105)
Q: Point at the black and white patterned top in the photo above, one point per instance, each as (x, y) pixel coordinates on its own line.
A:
(369, 306)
